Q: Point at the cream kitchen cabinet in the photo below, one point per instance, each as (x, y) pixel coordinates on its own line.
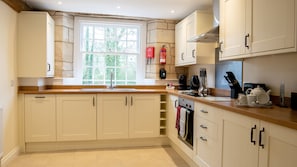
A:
(40, 118)
(172, 108)
(113, 116)
(251, 142)
(240, 141)
(35, 44)
(246, 30)
(188, 53)
(279, 146)
(76, 117)
(208, 135)
(128, 116)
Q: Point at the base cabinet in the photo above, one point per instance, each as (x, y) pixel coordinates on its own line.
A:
(128, 116)
(76, 117)
(238, 148)
(208, 135)
(279, 146)
(250, 142)
(40, 118)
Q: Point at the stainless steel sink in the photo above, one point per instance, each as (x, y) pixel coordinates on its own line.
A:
(108, 89)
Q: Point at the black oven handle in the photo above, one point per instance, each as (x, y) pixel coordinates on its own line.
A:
(176, 103)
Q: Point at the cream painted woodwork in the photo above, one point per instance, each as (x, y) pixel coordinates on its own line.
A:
(188, 53)
(35, 44)
(113, 116)
(172, 131)
(76, 117)
(128, 116)
(246, 30)
(234, 27)
(40, 118)
(280, 146)
(208, 135)
(144, 115)
(172, 108)
(237, 148)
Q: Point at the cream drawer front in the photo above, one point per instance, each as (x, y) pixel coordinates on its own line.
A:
(207, 148)
(207, 112)
(207, 128)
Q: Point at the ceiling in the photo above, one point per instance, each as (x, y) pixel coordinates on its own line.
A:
(158, 9)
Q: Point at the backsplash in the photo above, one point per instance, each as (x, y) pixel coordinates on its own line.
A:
(271, 70)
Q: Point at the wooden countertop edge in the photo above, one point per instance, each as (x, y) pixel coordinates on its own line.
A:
(281, 116)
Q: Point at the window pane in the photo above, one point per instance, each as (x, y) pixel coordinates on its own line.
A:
(107, 48)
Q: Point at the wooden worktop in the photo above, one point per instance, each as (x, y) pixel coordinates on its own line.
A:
(274, 114)
(281, 116)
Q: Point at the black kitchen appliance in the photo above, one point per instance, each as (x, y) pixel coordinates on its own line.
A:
(233, 84)
(194, 83)
(246, 86)
(182, 81)
(162, 73)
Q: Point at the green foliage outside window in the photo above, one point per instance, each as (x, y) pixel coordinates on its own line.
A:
(106, 49)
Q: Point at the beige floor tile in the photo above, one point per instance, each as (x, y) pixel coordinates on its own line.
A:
(126, 157)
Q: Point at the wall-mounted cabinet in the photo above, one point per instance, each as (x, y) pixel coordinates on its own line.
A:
(188, 53)
(35, 53)
(246, 30)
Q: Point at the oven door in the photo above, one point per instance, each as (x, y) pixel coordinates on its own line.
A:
(185, 126)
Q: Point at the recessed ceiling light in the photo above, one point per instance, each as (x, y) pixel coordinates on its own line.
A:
(172, 11)
(60, 2)
(118, 7)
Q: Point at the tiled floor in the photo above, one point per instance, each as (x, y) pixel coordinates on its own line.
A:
(129, 157)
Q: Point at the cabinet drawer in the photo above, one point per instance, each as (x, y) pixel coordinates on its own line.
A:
(208, 112)
(207, 150)
(207, 128)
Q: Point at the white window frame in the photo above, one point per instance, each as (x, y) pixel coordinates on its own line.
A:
(77, 69)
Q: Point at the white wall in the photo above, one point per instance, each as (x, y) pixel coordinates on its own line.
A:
(271, 70)
(8, 89)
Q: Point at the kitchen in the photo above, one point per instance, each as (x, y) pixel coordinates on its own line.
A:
(270, 69)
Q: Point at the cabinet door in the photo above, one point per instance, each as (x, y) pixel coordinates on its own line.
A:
(76, 117)
(50, 47)
(112, 116)
(279, 146)
(238, 150)
(144, 115)
(234, 32)
(40, 118)
(172, 131)
(35, 43)
(180, 40)
(274, 27)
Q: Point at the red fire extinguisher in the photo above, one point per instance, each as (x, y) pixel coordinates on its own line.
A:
(163, 55)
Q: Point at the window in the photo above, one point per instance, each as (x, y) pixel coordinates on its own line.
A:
(109, 48)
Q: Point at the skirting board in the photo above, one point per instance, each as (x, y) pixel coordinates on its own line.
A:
(84, 145)
(10, 156)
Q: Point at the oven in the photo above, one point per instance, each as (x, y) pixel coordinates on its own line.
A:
(185, 121)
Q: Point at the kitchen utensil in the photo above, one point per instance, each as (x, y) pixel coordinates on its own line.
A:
(233, 84)
(202, 91)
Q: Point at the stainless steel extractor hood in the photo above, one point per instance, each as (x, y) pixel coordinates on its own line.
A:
(213, 34)
(210, 36)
